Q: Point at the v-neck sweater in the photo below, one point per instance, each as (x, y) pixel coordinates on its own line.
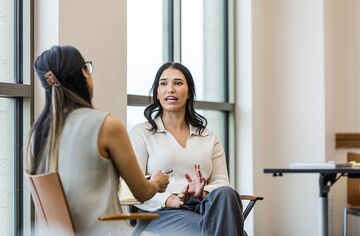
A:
(161, 151)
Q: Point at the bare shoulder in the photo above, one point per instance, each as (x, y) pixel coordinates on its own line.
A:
(112, 124)
(110, 132)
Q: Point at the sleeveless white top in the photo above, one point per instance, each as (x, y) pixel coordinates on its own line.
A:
(90, 181)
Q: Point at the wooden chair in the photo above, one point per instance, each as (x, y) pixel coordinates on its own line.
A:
(252, 200)
(52, 209)
(353, 193)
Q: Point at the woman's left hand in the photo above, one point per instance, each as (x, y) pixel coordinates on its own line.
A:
(196, 184)
(184, 195)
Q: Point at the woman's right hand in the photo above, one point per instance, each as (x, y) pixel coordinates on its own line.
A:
(160, 180)
(173, 202)
(178, 201)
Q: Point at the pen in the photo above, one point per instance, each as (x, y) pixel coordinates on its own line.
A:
(164, 171)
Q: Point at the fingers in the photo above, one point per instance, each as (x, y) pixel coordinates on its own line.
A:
(184, 190)
(161, 179)
(197, 171)
(162, 188)
(173, 202)
(178, 202)
(188, 177)
(183, 195)
(203, 182)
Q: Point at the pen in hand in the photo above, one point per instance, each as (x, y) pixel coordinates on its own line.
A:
(164, 171)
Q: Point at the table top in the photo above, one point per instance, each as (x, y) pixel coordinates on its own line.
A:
(337, 170)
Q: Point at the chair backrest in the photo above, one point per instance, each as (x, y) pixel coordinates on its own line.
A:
(353, 184)
(52, 209)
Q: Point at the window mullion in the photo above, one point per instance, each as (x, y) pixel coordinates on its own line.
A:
(177, 30)
(18, 142)
(168, 33)
(18, 173)
(172, 30)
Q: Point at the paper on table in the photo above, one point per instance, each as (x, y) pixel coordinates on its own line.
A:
(302, 165)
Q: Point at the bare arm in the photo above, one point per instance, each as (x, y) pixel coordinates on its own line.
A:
(114, 143)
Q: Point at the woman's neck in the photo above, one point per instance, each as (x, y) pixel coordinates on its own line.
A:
(174, 121)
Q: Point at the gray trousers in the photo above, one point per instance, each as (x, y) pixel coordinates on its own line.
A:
(219, 213)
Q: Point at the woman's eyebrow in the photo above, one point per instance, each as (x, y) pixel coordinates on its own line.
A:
(173, 79)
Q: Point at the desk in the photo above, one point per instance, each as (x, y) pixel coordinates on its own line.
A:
(326, 179)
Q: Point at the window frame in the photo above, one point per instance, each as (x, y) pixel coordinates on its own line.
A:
(18, 91)
(172, 52)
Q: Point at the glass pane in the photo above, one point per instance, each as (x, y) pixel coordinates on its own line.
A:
(7, 41)
(7, 167)
(216, 123)
(27, 43)
(203, 48)
(135, 115)
(145, 44)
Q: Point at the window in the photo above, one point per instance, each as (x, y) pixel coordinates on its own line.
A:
(7, 166)
(195, 33)
(203, 47)
(14, 113)
(144, 44)
(7, 40)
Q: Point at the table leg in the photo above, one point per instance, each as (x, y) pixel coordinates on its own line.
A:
(324, 216)
(325, 182)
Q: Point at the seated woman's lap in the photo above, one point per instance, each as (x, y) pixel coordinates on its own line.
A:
(223, 206)
(173, 221)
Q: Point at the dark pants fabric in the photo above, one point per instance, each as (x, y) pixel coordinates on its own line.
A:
(220, 213)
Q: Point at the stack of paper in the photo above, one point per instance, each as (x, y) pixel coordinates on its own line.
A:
(302, 165)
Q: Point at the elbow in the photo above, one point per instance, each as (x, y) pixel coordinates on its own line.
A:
(145, 195)
(141, 198)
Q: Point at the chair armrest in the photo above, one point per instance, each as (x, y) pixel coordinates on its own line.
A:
(249, 207)
(252, 200)
(129, 216)
(250, 197)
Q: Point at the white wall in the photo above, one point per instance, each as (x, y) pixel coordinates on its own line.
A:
(342, 23)
(297, 85)
(98, 30)
(244, 104)
(46, 34)
(292, 83)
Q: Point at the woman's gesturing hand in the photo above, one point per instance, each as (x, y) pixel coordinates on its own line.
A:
(184, 195)
(178, 201)
(160, 180)
(194, 188)
(196, 183)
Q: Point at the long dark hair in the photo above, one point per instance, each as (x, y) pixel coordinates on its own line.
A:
(155, 109)
(66, 64)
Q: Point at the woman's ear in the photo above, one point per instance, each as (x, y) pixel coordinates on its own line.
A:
(85, 72)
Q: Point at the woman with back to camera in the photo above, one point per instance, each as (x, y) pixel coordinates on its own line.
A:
(92, 147)
(175, 137)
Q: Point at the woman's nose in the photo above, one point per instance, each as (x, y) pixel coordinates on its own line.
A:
(171, 89)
